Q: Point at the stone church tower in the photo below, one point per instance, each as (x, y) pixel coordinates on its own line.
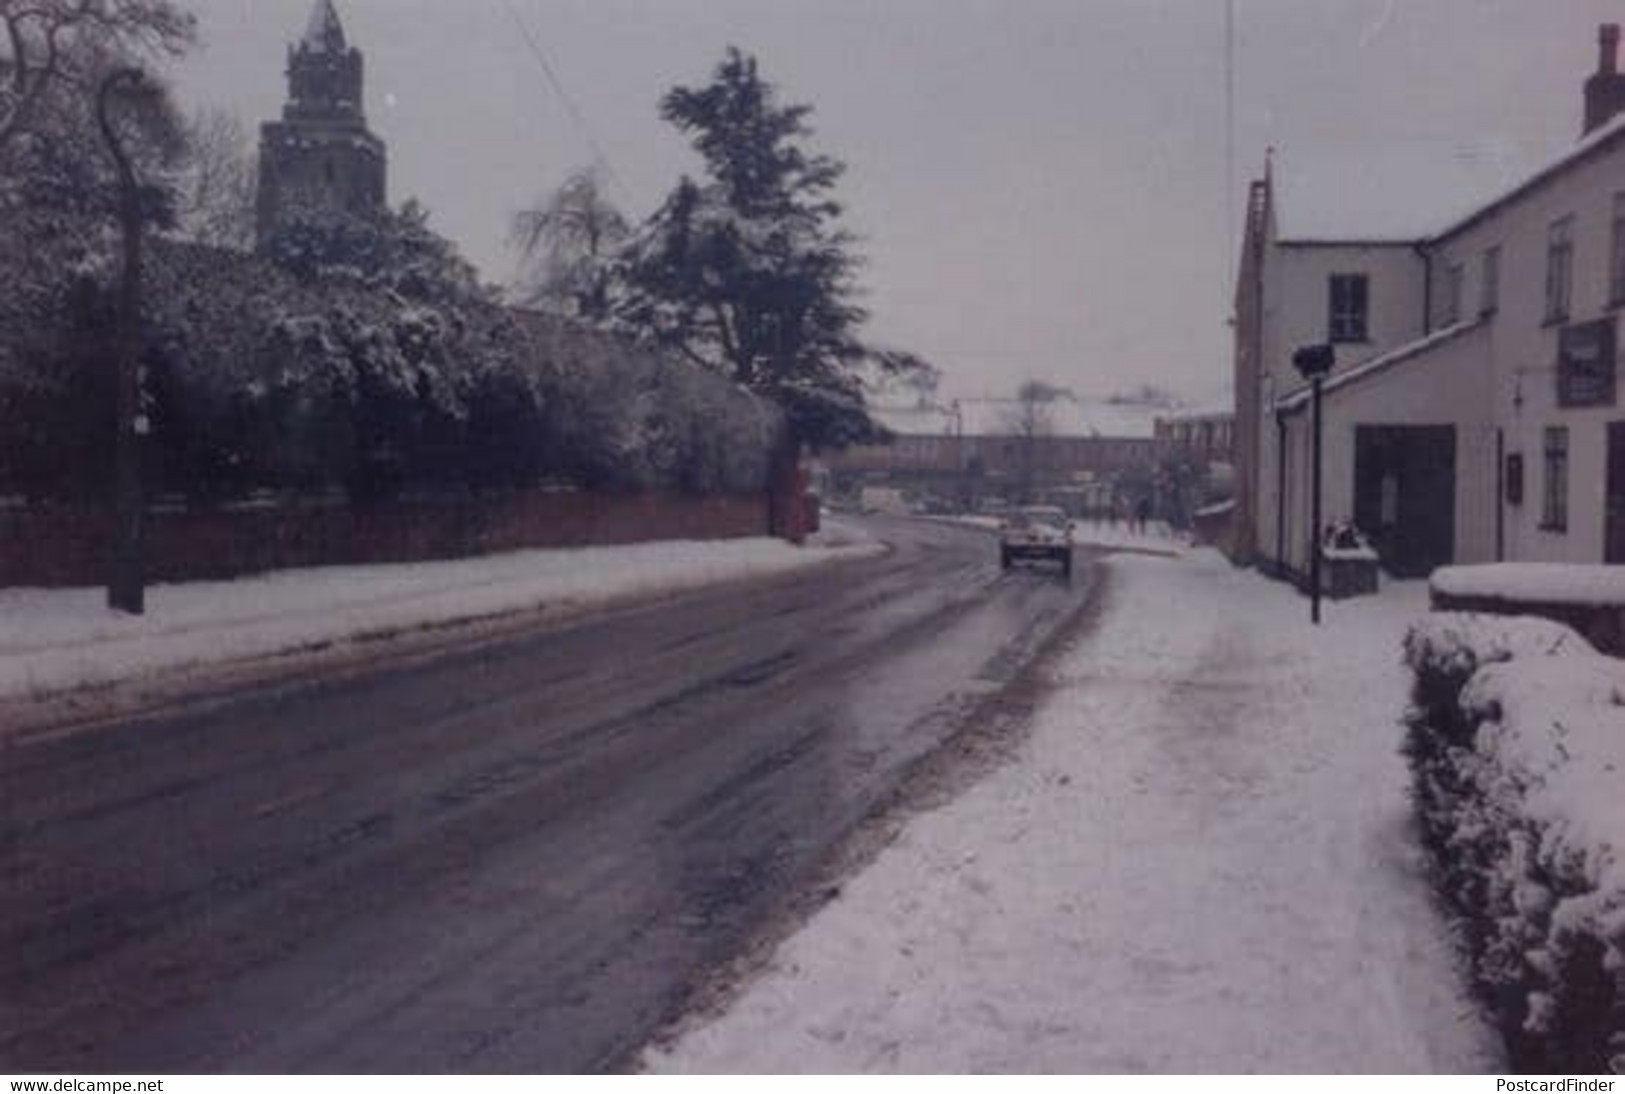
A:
(321, 154)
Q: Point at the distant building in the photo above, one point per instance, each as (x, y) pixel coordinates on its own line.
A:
(1473, 413)
(1072, 452)
(1207, 435)
(320, 155)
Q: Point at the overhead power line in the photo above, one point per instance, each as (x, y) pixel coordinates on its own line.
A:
(577, 117)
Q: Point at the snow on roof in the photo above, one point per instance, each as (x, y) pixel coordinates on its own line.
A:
(1204, 411)
(1387, 193)
(324, 33)
(1599, 136)
(1299, 398)
(1402, 193)
(990, 417)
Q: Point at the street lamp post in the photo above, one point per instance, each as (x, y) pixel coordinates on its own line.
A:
(1314, 362)
(126, 590)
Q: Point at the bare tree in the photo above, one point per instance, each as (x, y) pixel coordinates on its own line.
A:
(216, 198)
(1032, 420)
(567, 246)
(52, 46)
(54, 56)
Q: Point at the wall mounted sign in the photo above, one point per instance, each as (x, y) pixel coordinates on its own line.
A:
(1586, 364)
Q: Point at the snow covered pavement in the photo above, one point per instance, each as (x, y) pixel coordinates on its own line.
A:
(53, 640)
(1200, 861)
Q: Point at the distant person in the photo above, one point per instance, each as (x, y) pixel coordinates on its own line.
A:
(1142, 514)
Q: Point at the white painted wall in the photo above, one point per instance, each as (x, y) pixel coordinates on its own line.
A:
(1446, 389)
(1501, 378)
(1524, 354)
(1296, 313)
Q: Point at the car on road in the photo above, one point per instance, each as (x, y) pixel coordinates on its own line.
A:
(1036, 533)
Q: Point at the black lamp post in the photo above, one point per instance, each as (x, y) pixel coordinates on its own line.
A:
(126, 589)
(1314, 362)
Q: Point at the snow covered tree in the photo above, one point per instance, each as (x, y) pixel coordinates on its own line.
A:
(215, 196)
(54, 55)
(749, 272)
(393, 251)
(568, 245)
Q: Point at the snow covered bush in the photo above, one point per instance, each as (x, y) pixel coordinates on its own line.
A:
(336, 378)
(1517, 747)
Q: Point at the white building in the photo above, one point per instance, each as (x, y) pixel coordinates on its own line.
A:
(1473, 413)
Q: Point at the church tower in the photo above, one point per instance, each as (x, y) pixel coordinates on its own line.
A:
(321, 154)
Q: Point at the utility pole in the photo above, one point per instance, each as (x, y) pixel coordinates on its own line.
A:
(126, 589)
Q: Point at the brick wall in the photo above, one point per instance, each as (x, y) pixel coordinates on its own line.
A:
(66, 547)
(1603, 625)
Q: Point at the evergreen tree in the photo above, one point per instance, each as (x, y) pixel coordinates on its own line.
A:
(749, 272)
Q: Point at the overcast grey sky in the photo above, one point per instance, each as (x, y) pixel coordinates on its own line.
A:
(1040, 183)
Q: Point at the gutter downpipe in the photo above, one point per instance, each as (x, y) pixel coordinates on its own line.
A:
(1500, 495)
(1426, 255)
(1280, 491)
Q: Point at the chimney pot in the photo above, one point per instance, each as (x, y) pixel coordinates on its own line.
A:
(1608, 48)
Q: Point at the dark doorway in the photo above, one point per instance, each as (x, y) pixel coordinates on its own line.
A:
(1614, 520)
(1405, 494)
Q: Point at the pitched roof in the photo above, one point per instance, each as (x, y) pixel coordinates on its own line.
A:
(324, 33)
(1595, 141)
(1410, 193)
(1387, 193)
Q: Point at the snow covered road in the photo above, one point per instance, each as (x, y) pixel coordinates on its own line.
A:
(513, 854)
(1202, 861)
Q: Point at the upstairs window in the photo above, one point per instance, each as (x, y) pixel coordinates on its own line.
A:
(1455, 278)
(1616, 253)
(1489, 286)
(1554, 514)
(1559, 269)
(1350, 302)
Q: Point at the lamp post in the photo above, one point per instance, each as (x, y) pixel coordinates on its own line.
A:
(126, 586)
(1314, 362)
(961, 492)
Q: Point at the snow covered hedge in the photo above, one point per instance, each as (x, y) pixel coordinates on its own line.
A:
(258, 377)
(1517, 747)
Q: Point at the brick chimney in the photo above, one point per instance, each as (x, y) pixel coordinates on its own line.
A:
(1605, 90)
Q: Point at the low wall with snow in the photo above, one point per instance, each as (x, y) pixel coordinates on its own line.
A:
(1517, 750)
(1590, 599)
(57, 547)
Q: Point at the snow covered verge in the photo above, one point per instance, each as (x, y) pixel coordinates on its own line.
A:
(1200, 860)
(1517, 743)
(53, 640)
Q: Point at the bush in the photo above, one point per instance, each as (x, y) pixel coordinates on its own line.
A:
(259, 379)
(1517, 748)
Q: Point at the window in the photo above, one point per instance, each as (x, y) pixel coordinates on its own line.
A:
(1489, 287)
(1555, 515)
(1514, 478)
(1454, 280)
(1616, 253)
(1350, 297)
(1559, 269)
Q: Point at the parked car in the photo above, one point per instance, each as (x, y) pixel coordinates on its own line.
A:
(1036, 533)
